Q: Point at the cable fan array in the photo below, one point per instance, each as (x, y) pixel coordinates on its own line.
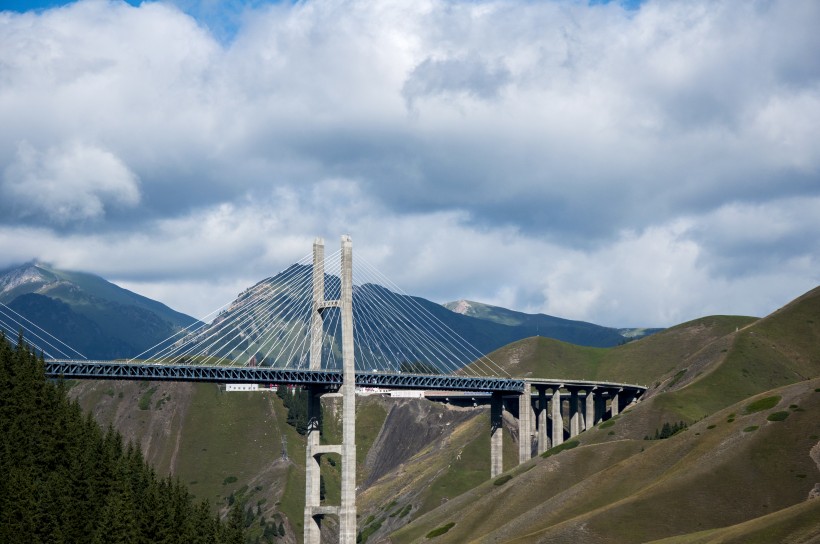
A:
(13, 324)
(269, 325)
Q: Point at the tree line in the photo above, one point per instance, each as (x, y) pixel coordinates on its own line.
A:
(667, 430)
(63, 479)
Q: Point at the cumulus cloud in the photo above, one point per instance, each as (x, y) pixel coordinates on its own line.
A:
(70, 183)
(627, 166)
(470, 76)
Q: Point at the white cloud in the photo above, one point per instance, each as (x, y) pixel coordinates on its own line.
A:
(656, 277)
(72, 182)
(629, 167)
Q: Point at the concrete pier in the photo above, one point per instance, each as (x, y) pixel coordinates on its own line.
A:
(312, 469)
(557, 418)
(541, 415)
(589, 420)
(574, 414)
(543, 437)
(614, 406)
(600, 407)
(525, 420)
(496, 434)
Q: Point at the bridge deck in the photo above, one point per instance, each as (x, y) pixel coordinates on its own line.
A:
(225, 374)
(332, 379)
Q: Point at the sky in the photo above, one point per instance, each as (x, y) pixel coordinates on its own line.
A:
(624, 163)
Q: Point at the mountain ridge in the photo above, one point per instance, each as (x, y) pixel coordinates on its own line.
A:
(540, 324)
(97, 318)
(102, 320)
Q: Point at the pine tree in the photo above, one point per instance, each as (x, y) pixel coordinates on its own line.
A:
(65, 480)
(234, 530)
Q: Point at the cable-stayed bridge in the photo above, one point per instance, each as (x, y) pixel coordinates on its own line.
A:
(319, 325)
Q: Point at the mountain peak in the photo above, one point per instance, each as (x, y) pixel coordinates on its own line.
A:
(30, 276)
(462, 306)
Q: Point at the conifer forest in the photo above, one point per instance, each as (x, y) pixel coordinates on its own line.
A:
(66, 480)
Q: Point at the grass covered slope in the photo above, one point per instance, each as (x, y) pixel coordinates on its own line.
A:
(749, 390)
(412, 454)
(226, 447)
(644, 361)
(716, 473)
(779, 349)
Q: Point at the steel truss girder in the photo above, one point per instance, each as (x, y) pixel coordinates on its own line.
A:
(108, 370)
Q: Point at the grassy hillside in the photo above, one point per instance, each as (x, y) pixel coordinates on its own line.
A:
(716, 473)
(223, 446)
(794, 525)
(643, 361)
(412, 454)
(749, 390)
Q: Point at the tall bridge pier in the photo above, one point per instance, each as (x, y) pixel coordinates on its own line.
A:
(555, 412)
(346, 511)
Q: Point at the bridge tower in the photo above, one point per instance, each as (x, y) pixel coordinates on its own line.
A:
(346, 511)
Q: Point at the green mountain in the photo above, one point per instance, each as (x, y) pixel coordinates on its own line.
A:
(90, 314)
(567, 330)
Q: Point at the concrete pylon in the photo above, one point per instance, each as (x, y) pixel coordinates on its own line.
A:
(525, 425)
(557, 418)
(496, 434)
(313, 509)
(347, 510)
(312, 524)
(316, 328)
